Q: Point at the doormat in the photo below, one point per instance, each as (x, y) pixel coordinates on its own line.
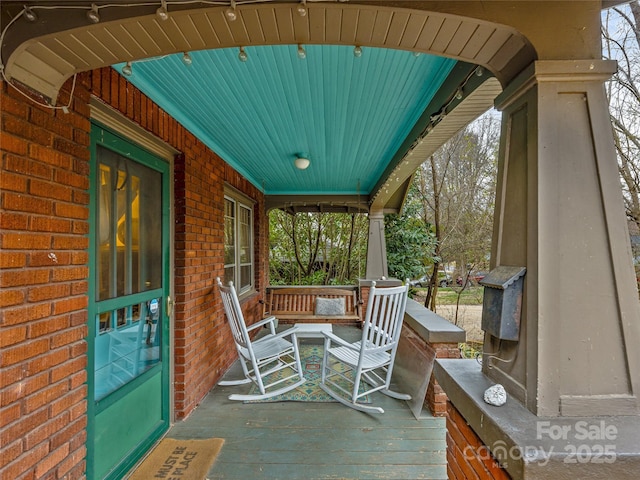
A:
(184, 459)
(310, 391)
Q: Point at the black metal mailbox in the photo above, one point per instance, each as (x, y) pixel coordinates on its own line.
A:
(502, 304)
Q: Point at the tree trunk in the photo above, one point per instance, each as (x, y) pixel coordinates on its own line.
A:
(432, 291)
(347, 268)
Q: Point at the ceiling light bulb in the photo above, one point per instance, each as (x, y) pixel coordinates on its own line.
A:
(301, 52)
(302, 8)
(29, 14)
(127, 70)
(186, 59)
(93, 15)
(162, 12)
(301, 163)
(357, 51)
(242, 55)
(231, 12)
(479, 71)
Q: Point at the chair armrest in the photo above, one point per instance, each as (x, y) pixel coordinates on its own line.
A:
(334, 338)
(263, 322)
(286, 333)
(382, 348)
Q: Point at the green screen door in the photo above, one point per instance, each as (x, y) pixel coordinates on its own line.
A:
(128, 372)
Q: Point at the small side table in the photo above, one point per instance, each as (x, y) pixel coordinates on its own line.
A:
(313, 330)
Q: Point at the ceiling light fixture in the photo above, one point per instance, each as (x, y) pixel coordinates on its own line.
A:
(479, 71)
(29, 14)
(302, 54)
(162, 12)
(302, 162)
(127, 70)
(186, 59)
(242, 55)
(357, 51)
(93, 15)
(230, 12)
(302, 8)
(459, 94)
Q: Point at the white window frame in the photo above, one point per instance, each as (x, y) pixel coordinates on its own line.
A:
(241, 201)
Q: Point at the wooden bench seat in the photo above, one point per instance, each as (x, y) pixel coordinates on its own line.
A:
(298, 305)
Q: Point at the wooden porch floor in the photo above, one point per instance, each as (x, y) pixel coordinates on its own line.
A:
(297, 440)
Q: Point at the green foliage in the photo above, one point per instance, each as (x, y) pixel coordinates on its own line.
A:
(470, 350)
(317, 248)
(410, 246)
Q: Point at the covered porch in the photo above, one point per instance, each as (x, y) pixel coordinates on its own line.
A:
(293, 440)
(219, 102)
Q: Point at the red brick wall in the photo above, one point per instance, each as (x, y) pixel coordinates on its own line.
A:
(44, 177)
(203, 343)
(467, 457)
(44, 199)
(436, 398)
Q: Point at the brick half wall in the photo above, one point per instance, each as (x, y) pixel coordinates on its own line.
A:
(436, 398)
(467, 457)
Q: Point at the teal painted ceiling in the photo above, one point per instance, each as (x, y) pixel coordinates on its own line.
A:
(349, 115)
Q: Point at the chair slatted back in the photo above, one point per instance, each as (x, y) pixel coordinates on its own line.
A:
(234, 314)
(384, 316)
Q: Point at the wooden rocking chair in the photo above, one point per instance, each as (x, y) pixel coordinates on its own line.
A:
(369, 362)
(263, 357)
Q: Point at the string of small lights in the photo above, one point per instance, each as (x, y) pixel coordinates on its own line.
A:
(30, 14)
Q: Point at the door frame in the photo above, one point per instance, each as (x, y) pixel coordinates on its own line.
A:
(104, 117)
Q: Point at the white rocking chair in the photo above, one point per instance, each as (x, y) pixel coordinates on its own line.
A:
(369, 362)
(262, 357)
